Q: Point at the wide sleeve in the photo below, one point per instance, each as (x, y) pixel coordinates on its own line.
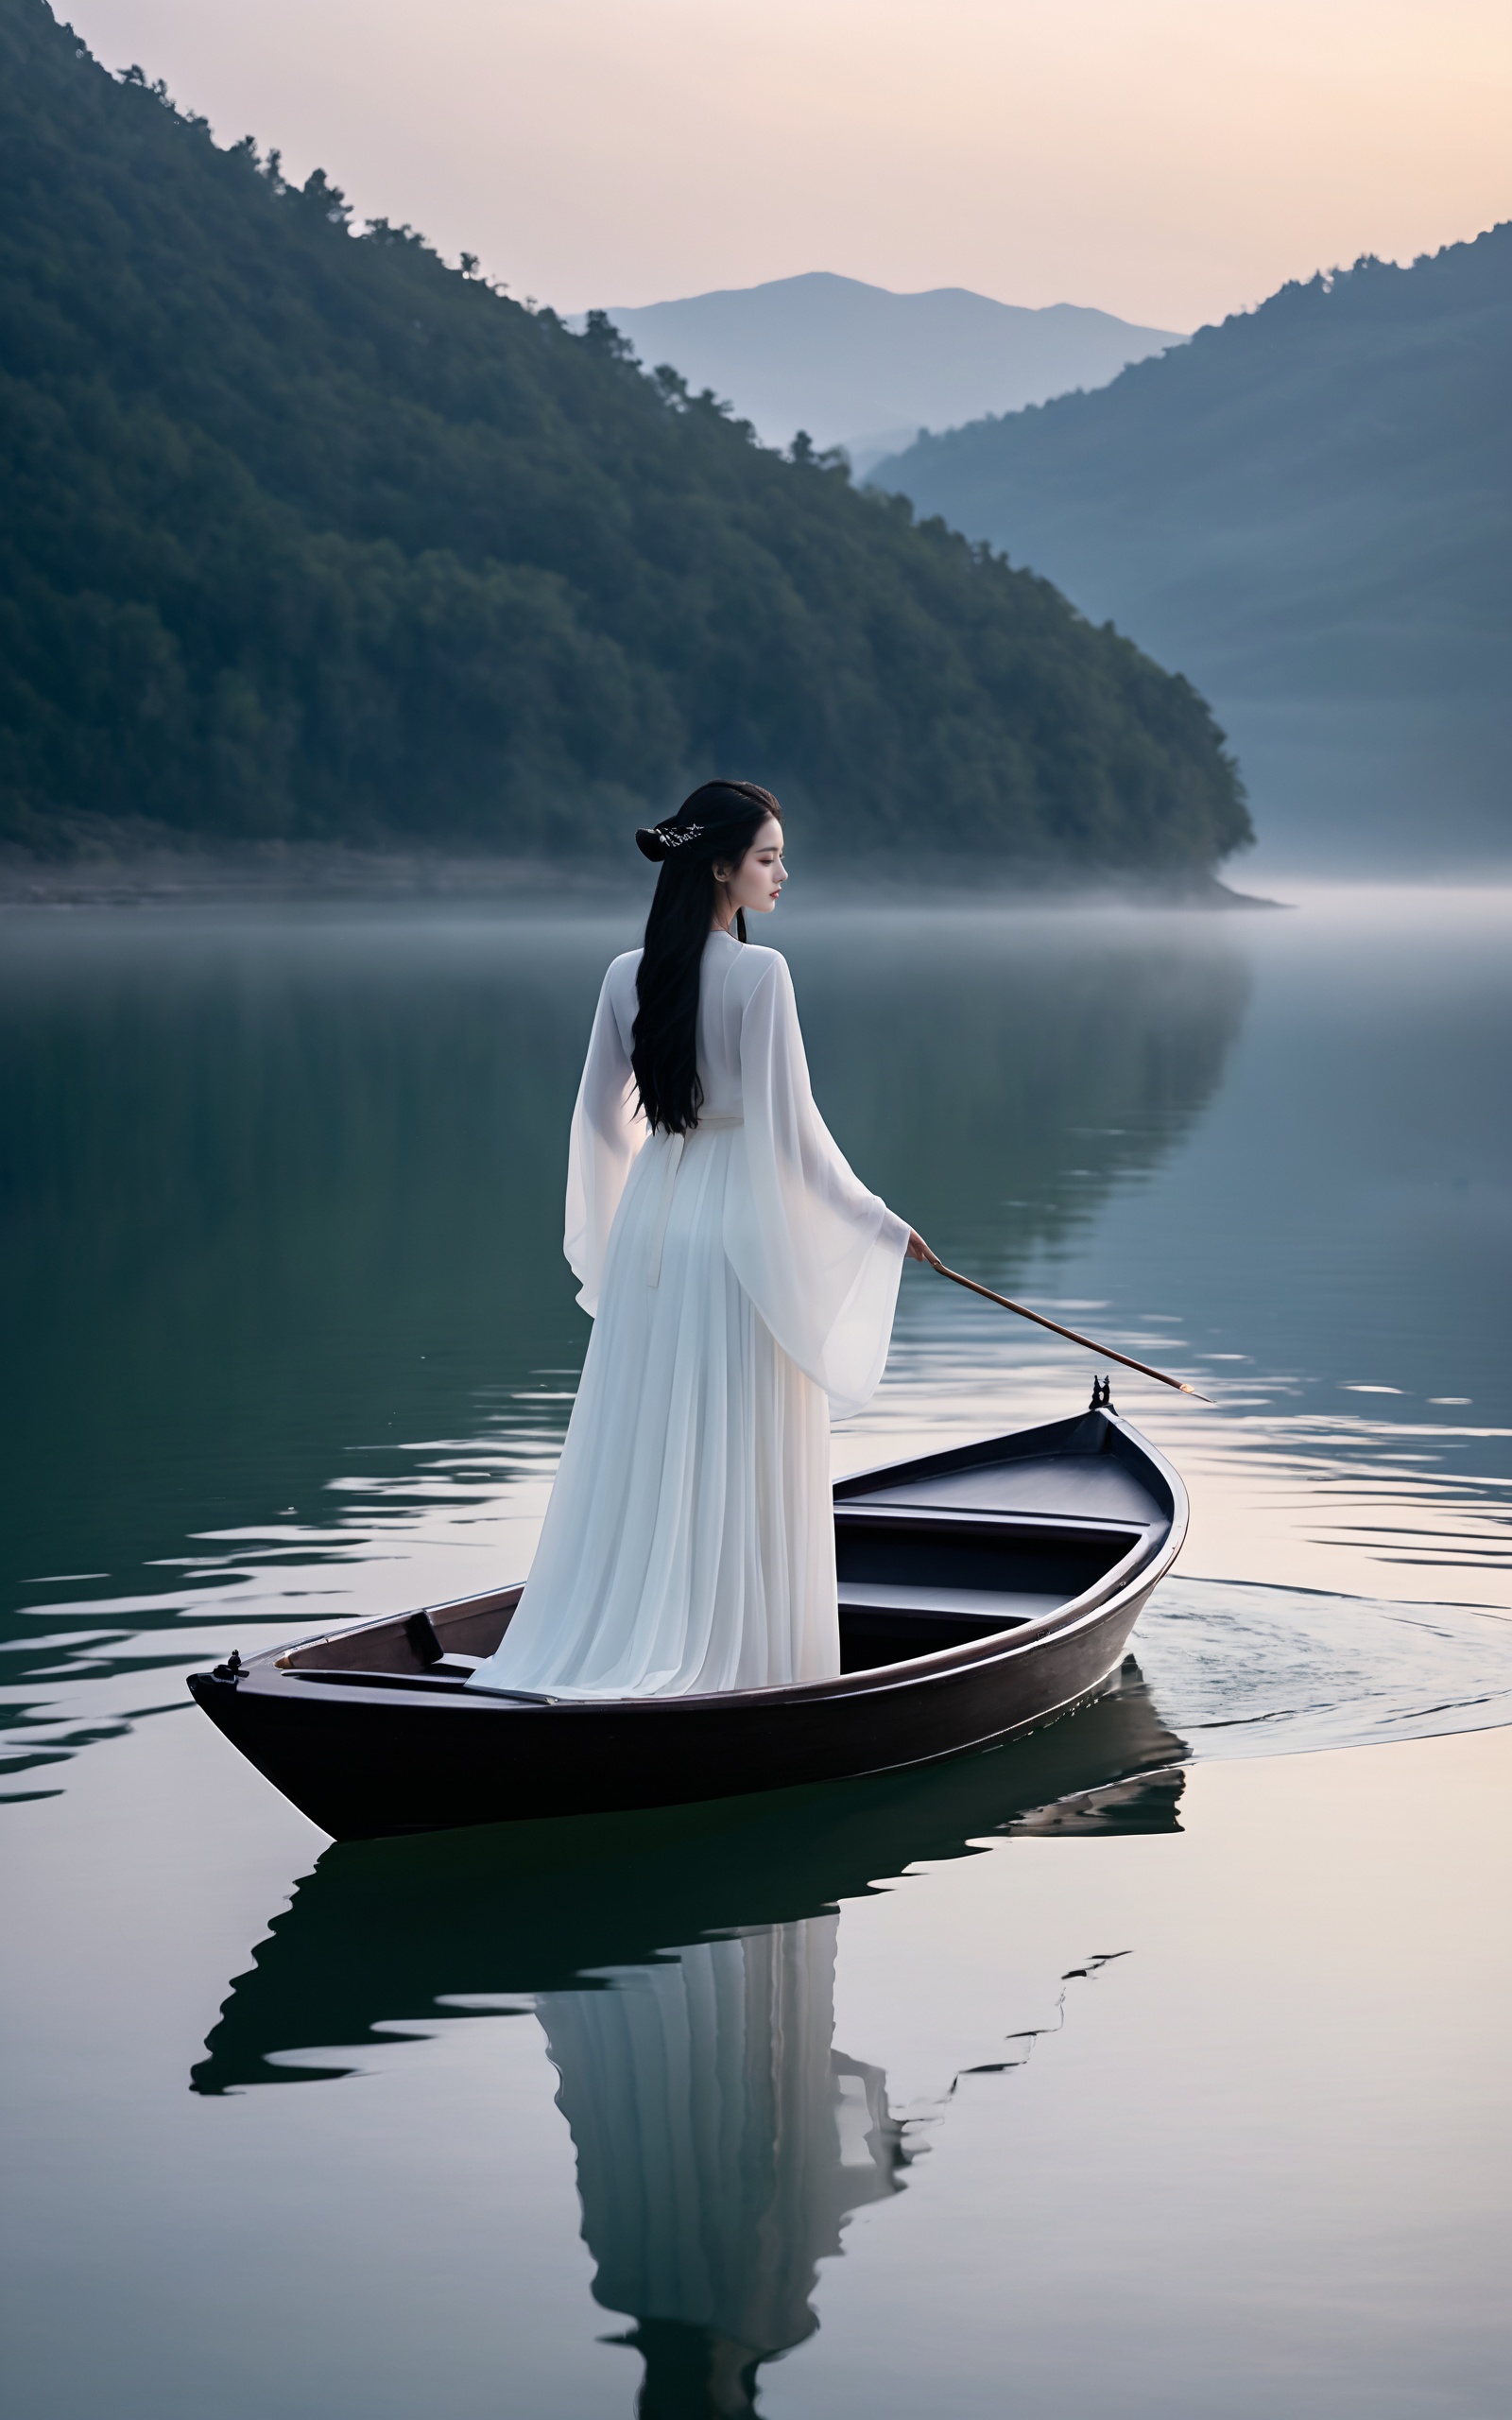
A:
(819, 1255)
(607, 1131)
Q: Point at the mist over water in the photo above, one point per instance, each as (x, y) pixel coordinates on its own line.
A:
(291, 1342)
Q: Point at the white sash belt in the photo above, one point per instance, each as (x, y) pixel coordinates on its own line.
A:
(709, 1123)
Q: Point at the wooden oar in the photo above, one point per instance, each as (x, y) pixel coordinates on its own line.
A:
(1056, 1329)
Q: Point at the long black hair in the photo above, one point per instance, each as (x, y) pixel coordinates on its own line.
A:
(717, 823)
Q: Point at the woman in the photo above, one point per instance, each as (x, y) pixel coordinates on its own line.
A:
(742, 1285)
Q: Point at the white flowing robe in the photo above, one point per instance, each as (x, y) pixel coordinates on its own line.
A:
(741, 1283)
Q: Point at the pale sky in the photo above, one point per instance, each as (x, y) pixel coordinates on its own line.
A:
(1168, 159)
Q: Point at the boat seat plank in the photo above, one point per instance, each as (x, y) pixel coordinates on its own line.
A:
(1005, 1605)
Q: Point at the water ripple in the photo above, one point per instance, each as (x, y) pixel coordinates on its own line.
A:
(1240, 1670)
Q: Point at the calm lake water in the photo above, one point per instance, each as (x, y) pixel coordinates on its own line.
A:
(1156, 2064)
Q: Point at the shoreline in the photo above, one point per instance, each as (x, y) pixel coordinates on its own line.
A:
(270, 873)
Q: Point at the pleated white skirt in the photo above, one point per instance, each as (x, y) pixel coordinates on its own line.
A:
(689, 1544)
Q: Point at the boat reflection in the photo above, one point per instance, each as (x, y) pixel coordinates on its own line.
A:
(681, 1966)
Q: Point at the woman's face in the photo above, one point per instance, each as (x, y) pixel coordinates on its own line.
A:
(756, 883)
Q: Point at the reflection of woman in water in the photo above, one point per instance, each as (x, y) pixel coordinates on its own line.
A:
(720, 2145)
(742, 1281)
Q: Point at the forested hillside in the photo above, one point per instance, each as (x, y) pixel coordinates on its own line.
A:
(306, 534)
(1308, 511)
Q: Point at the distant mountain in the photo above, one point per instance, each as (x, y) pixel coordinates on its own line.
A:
(857, 366)
(1308, 511)
(303, 533)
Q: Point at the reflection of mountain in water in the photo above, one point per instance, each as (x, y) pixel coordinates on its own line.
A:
(996, 1076)
(272, 1186)
(682, 1967)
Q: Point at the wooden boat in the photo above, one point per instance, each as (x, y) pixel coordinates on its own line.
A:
(984, 1592)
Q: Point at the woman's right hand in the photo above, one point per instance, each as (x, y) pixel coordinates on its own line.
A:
(917, 1249)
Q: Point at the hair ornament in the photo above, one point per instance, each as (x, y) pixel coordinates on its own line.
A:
(664, 839)
(718, 805)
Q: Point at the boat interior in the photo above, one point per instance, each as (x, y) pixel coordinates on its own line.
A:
(930, 1555)
(934, 1557)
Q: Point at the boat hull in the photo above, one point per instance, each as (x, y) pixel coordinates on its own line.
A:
(360, 1766)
